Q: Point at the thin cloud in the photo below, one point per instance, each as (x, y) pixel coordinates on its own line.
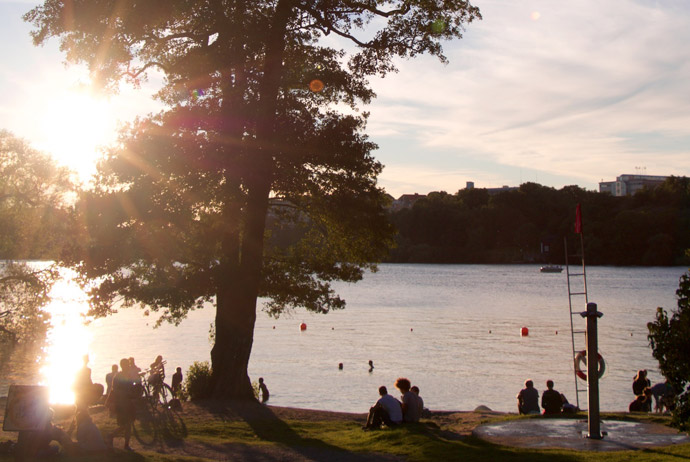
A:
(561, 93)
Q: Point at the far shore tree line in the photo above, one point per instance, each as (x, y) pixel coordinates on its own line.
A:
(528, 225)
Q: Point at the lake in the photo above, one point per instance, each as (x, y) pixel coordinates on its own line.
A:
(453, 330)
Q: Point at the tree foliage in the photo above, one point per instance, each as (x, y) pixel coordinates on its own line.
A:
(34, 213)
(669, 338)
(251, 137)
(23, 294)
(473, 226)
(35, 223)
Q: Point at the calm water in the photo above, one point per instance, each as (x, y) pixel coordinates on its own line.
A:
(454, 330)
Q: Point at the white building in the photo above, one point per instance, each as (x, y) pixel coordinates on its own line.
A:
(627, 185)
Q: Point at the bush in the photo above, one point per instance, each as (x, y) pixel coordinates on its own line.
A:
(197, 381)
(669, 338)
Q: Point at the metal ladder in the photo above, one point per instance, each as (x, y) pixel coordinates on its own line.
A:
(577, 289)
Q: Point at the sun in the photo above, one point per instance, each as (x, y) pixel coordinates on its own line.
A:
(74, 125)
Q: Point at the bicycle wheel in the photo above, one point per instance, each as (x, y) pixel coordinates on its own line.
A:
(149, 396)
(164, 395)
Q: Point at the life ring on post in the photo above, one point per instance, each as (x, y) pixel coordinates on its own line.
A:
(581, 358)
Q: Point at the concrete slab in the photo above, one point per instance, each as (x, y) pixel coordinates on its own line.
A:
(571, 434)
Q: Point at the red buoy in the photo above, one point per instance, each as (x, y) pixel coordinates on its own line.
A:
(303, 326)
(524, 332)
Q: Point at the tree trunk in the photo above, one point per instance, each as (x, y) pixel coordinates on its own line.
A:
(235, 319)
(236, 299)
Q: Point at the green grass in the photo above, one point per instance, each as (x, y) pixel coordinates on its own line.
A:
(419, 442)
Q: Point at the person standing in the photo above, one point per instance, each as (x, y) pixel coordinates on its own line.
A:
(83, 386)
(264, 390)
(109, 379)
(122, 398)
(528, 399)
(551, 400)
(176, 384)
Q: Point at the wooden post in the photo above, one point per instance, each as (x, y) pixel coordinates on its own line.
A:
(593, 418)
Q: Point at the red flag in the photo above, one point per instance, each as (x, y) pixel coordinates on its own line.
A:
(578, 220)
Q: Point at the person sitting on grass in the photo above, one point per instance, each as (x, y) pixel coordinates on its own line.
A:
(528, 399)
(415, 389)
(387, 410)
(410, 402)
(551, 400)
(35, 444)
(639, 404)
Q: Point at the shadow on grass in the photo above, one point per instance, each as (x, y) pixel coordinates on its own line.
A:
(159, 426)
(268, 427)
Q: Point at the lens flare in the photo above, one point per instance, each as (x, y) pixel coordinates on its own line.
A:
(316, 85)
(68, 339)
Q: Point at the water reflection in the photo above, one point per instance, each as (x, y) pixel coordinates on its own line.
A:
(18, 365)
(67, 340)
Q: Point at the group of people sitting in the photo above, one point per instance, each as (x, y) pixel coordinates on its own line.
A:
(552, 401)
(390, 411)
(663, 394)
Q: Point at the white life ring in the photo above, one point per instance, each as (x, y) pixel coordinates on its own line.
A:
(581, 358)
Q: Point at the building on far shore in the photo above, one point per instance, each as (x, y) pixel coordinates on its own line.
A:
(492, 191)
(627, 185)
(405, 201)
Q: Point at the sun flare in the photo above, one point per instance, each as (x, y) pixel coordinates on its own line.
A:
(68, 339)
(74, 125)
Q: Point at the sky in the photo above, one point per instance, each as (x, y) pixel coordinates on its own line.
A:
(547, 91)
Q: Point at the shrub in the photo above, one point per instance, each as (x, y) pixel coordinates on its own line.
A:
(197, 381)
(669, 337)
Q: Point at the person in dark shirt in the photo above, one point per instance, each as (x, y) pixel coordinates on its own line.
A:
(528, 399)
(109, 379)
(551, 400)
(639, 404)
(176, 384)
(83, 386)
(640, 382)
(122, 399)
(264, 390)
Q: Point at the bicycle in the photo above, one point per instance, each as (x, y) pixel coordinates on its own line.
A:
(157, 393)
(156, 419)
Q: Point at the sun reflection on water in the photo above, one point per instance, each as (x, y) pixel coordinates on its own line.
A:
(68, 339)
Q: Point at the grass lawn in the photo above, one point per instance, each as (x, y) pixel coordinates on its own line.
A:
(268, 435)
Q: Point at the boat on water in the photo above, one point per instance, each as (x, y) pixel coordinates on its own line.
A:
(551, 269)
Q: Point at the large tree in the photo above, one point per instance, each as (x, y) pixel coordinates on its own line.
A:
(252, 131)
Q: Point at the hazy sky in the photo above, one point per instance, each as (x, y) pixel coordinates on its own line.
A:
(550, 91)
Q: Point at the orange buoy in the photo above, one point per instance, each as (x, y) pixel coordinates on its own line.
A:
(303, 326)
(524, 332)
